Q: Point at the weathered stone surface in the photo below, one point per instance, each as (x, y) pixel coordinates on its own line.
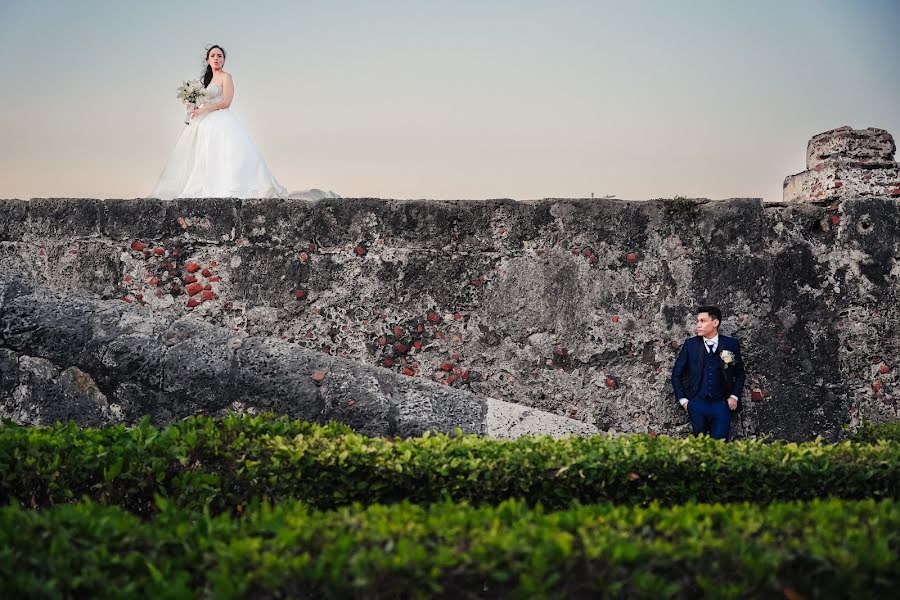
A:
(573, 307)
(846, 163)
(98, 362)
(864, 146)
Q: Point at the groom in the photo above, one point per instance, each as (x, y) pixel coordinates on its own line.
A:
(708, 376)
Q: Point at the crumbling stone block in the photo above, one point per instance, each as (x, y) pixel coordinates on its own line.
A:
(846, 163)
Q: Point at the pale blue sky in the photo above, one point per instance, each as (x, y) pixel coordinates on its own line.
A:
(457, 99)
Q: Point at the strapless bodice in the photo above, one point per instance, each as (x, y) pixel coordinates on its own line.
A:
(214, 93)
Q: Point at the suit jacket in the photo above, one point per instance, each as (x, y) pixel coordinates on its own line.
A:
(687, 374)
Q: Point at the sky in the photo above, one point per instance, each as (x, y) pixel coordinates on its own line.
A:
(449, 100)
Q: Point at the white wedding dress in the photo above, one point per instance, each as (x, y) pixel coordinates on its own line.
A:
(215, 158)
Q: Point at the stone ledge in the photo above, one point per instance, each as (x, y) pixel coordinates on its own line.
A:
(98, 363)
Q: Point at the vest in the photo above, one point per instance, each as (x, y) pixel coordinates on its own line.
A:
(712, 386)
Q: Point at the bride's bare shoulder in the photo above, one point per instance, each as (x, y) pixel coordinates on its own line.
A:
(225, 75)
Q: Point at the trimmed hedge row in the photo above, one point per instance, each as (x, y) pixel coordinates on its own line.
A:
(222, 464)
(822, 549)
(871, 433)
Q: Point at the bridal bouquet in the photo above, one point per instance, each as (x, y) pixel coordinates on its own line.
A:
(191, 93)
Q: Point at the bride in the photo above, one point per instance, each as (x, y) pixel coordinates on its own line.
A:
(214, 157)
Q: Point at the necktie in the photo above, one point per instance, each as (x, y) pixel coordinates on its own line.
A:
(709, 347)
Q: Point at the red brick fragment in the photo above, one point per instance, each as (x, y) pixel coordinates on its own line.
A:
(153, 281)
(420, 328)
(835, 219)
(213, 264)
(207, 295)
(73, 251)
(193, 289)
(883, 369)
(400, 347)
(446, 366)
(192, 303)
(189, 279)
(128, 279)
(206, 272)
(318, 376)
(192, 267)
(632, 256)
(42, 252)
(299, 294)
(560, 351)
(388, 362)
(417, 344)
(611, 382)
(304, 257)
(126, 299)
(457, 316)
(215, 279)
(756, 395)
(207, 287)
(360, 250)
(615, 318)
(138, 246)
(434, 317)
(876, 386)
(398, 331)
(408, 372)
(159, 251)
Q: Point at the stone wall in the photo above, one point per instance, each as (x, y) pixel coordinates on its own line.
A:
(576, 307)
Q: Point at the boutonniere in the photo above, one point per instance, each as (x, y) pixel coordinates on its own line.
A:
(727, 357)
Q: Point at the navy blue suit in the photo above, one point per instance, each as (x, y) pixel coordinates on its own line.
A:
(707, 382)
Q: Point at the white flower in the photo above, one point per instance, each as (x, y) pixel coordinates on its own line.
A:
(727, 356)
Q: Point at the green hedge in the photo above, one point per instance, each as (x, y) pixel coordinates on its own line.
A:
(822, 549)
(871, 433)
(225, 463)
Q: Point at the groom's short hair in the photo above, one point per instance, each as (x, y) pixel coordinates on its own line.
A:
(713, 312)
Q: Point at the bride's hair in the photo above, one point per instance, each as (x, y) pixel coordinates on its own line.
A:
(208, 75)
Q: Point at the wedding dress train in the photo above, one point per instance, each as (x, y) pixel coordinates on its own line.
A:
(215, 158)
